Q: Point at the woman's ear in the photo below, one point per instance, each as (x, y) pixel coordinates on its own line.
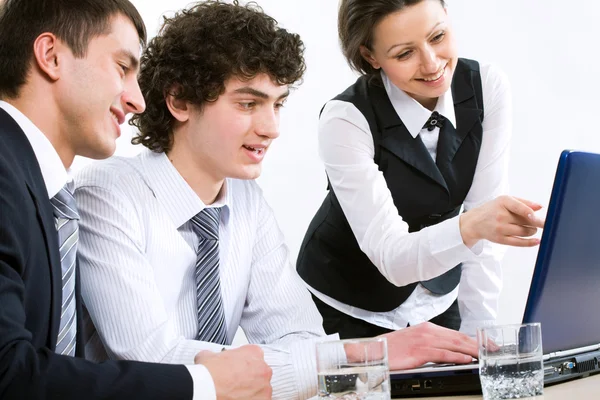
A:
(368, 56)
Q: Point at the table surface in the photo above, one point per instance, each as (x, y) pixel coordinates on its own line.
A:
(580, 389)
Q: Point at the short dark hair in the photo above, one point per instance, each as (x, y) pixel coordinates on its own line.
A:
(357, 20)
(198, 50)
(75, 22)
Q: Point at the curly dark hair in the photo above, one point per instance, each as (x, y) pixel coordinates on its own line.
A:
(198, 50)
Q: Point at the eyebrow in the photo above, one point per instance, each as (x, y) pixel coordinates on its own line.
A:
(134, 63)
(407, 43)
(258, 93)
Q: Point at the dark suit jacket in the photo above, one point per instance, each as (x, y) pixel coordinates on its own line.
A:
(30, 300)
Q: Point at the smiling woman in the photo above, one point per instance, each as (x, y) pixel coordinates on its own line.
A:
(423, 61)
(420, 136)
(359, 35)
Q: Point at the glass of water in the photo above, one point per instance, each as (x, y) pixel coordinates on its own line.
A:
(353, 369)
(510, 361)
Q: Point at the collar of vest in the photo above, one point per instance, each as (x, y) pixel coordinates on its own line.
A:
(396, 138)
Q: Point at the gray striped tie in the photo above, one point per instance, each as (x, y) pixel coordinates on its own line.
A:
(66, 217)
(211, 316)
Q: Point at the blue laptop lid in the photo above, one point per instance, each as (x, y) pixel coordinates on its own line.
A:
(565, 289)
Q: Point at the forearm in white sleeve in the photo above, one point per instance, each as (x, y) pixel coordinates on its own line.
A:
(346, 147)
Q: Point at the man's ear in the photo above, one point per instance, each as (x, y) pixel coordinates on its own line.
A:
(366, 54)
(48, 54)
(180, 109)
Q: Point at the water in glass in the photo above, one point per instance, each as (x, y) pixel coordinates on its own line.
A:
(355, 383)
(511, 379)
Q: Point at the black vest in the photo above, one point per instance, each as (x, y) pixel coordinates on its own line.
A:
(424, 192)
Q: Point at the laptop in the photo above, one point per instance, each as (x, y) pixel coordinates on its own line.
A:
(564, 294)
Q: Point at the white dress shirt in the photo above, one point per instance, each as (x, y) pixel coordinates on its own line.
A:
(55, 177)
(138, 256)
(346, 147)
(53, 171)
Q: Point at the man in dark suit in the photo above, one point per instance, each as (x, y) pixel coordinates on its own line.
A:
(67, 80)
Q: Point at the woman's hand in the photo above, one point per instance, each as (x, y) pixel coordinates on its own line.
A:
(414, 346)
(505, 220)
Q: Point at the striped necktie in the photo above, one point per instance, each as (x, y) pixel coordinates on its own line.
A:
(211, 316)
(65, 218)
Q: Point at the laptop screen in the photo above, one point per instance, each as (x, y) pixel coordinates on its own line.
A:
(565, 289)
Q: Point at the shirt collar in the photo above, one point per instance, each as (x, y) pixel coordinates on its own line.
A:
(174, 194)
(53, 171)
(411, 112)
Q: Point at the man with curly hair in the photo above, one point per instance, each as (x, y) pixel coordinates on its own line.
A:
(68, 74)
(178, 246)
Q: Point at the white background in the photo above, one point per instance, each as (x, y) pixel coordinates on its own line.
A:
(549, 50)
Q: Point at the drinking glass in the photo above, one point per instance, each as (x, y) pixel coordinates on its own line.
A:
(353, 369)
(511, 361)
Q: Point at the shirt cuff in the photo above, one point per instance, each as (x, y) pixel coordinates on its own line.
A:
(204, 386)
(294, 367)
(446, 243)
(304, 360)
